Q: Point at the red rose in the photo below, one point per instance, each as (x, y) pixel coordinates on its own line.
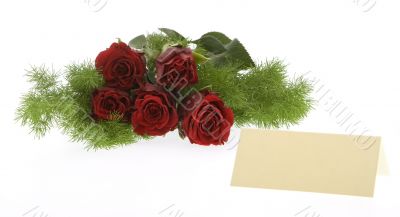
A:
(110, 104)
(208, 122)
(121, 66)
(155, 113)
(176, 68)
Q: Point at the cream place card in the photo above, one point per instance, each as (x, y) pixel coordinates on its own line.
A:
(315, 162)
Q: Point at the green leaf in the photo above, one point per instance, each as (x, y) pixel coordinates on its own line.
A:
(235, 52)
(138, 42)
(201, 51)
(172, 33)
(181, 132)
(151, 77)
(223, 50)
(199, 58)
(211, 44)
(220, 36)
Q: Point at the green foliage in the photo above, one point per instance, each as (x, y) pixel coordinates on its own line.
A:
(235, 51)
(262, 95)
(211, 44)
(223, 80)
(222, 50)
(83, 78)
(36, 110)
(76, 122)
(220, 36)
(139, 42)
(172, 34)
(154, 43)
(258, 94)
(43, 79)
(199, 58)
(50, 103)
(273, 99)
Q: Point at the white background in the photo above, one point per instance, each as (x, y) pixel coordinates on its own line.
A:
(353, 50)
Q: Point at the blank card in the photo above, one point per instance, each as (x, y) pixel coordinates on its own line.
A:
(315, 162)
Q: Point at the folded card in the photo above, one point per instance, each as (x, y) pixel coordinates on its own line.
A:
(315, 162)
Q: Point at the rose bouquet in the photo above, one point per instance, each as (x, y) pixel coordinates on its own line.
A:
(161, 82)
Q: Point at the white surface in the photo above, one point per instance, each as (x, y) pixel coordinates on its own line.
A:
(354, 54)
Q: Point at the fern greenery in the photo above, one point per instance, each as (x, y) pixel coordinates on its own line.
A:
(50, 103)
(260, 94)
